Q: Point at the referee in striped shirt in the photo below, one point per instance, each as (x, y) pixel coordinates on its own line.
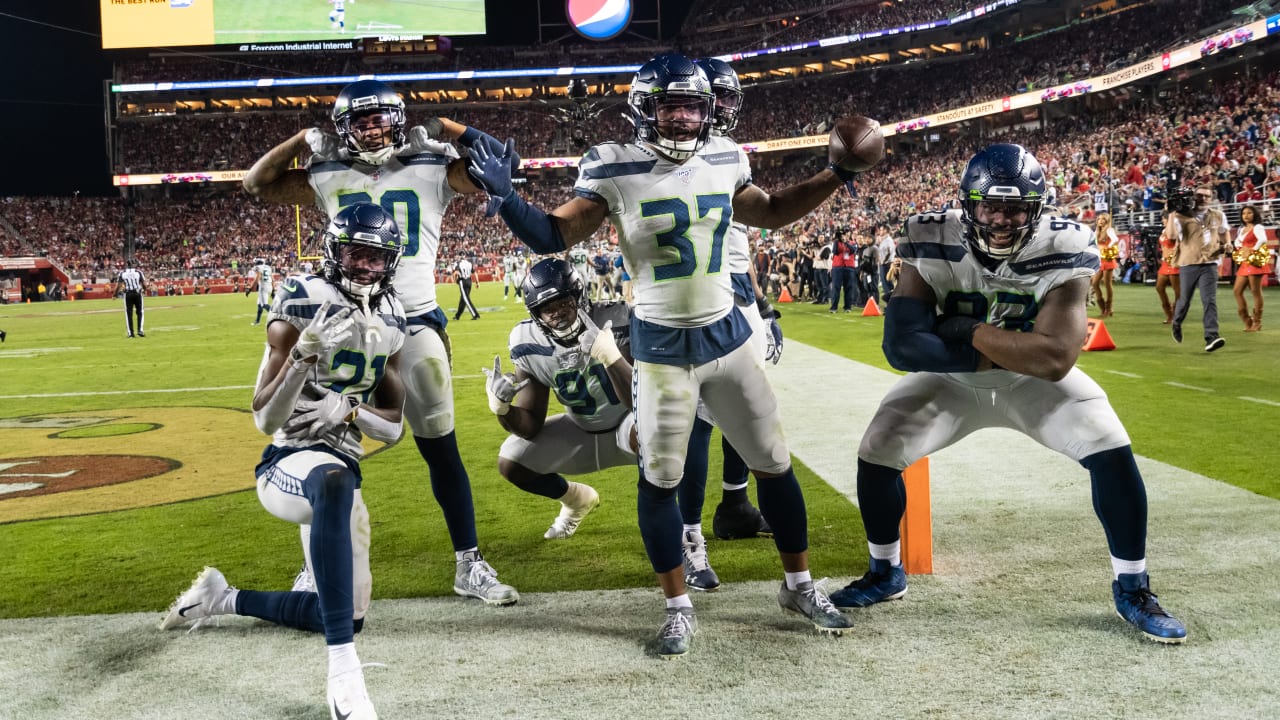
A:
(462, 272)
(133, 285)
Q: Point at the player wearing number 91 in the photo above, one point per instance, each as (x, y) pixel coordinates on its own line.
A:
(579, 352)
(412, 173)
(988, 318)
(672, 195)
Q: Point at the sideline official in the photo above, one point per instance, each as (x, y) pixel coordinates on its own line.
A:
(133, 285)
(462, 273)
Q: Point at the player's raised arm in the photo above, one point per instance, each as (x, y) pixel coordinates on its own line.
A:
(855, 146)
(272, 179)
(544, 233)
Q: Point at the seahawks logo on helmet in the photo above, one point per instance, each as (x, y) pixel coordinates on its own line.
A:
(547, 281)
(361, 251)
(1003, 174)
(671, 105)
(366, 108)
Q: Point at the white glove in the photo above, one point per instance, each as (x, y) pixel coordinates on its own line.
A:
(318, 417)
(421, 136)
(603, 347)
(501, 387)
(323, 335)
(326, 146)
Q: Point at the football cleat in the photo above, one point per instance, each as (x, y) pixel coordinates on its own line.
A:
(206, 598)
(305, 581)
(882, 582)
(476, 578)
(676, 633)
(348, 698)
(1136, 604)
(697, 569)
(810, 602)
(578, 501)
(739, 521)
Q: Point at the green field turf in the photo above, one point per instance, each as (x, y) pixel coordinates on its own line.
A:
(245, 21)
(1217, 419)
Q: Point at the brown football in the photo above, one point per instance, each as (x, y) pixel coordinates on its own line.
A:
(856, 144)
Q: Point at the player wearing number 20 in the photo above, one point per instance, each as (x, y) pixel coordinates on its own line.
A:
(989, 318)
(672, 195)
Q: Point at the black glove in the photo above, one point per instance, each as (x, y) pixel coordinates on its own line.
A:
(767, 311)
(957, 329)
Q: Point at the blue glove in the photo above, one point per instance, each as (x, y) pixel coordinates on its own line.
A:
(957, 329)
(493, 172)
(773, 343)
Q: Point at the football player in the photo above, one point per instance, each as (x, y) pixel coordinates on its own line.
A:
(261, 273)
(331, 341)
(338, 15)
(375, 158)
(735, 516)
(988, 317)
(579, 352)
(681, 185)
(510, 266)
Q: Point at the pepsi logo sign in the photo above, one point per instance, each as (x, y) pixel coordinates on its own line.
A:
(598, 19)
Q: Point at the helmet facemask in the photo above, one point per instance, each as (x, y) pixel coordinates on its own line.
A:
(560, 318)
(556, 301)
(728, 106)
(999, 228)
(373, 136)
(361, 252)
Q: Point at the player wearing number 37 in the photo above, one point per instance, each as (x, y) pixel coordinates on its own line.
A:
(672, 195)
(988, 319)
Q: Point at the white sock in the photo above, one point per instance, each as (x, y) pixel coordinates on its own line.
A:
(226, 605)
(891, 552)
(795, 578)
(733, 486)
(696, 528)
(1127, 567)
(679, 601)
(343, 658)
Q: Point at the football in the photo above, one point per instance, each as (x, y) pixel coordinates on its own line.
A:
(856, 144)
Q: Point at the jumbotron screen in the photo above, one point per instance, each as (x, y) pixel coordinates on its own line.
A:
(170, 23)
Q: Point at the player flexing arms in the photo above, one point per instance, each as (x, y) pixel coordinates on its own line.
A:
(331, 340)
(671, 196)
(988, 318)
(572, 349)
(413, 177)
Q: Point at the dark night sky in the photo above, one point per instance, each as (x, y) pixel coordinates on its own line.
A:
(51, 105)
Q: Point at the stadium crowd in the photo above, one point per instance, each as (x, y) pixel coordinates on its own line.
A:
(787, 108)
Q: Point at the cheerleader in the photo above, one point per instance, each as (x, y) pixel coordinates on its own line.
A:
(1168, 275)
(1109, 249)
(1253, 260)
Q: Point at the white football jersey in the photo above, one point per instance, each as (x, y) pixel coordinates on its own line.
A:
(357, 366)
(263, 272)
(412, 187)
(579, 258)
(579, 382)
(510, 263)
(739, 249)
(672, 221)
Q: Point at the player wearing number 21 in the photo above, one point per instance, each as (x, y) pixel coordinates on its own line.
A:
(988, 319)
(672, 194)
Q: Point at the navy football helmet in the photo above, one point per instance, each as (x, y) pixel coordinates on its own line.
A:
(362, 250)
(374, 105)
(728, 92)
(548, 281)
(1009, 176)
(675, 84)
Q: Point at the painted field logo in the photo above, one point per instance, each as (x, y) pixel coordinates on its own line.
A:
(599, 19)
(63, 464)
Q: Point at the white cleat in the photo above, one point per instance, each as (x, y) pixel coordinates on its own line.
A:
(477, 578)
(348, 698)
(206, 598)
(305, 581)
(574, 507)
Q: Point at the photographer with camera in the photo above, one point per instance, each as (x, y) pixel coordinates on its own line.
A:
(1201, 234)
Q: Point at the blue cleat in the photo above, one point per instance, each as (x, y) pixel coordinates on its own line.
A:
(882, 582)
(1136, 604)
